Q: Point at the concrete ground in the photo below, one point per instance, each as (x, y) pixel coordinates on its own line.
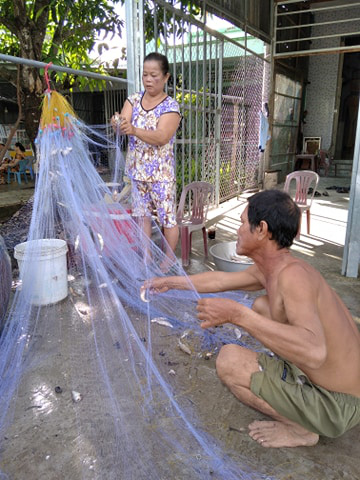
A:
(323, 248)
(330, 459)
(13, 196)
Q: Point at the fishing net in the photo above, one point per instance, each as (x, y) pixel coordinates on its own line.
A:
(5, 279)
(88, 369)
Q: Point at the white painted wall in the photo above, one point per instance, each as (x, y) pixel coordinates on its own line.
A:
(323, 75)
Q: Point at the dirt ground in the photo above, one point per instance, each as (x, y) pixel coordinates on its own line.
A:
(41, 442)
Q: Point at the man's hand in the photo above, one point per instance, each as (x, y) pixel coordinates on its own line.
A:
(217, 311)
(163, 284)
(157, 285)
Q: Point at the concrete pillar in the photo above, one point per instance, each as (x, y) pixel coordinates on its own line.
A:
(134, 12)
(351, 257)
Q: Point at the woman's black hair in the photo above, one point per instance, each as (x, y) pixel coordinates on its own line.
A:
(158, 57)
(279, 211)
(20, 145)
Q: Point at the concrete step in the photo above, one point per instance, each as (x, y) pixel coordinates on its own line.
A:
(341, 168)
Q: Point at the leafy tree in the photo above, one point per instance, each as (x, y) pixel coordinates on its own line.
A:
(168, 25)
(62, 32)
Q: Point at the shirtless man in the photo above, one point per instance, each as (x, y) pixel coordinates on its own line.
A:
(311, 386)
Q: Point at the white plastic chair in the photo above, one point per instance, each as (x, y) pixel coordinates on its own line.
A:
(305, 179)
(192, 214)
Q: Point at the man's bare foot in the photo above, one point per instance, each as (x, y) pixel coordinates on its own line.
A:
(277, 434)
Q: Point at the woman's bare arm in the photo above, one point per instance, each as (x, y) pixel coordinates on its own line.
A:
(165, 130)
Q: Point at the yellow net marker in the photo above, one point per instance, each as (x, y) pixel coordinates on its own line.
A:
(55, 110)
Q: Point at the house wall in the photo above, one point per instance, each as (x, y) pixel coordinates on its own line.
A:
(323, 77)
(321, 97)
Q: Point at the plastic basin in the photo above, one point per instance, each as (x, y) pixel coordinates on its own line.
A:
(226, 259)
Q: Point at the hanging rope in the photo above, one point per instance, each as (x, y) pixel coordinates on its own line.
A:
(46, 74)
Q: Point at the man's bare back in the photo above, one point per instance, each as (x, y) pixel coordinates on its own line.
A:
(301, 319)
(341, 369)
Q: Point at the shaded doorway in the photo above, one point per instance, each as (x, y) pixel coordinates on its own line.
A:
(349, 102)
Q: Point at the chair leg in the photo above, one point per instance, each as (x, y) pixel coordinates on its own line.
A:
(308, 221)
(185, 244)
(205, 242)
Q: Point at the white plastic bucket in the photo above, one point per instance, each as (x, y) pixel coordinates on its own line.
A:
(44, 272)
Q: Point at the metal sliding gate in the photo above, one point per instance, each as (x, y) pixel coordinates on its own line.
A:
(220, 81)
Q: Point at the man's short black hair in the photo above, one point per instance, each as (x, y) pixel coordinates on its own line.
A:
(279, 211)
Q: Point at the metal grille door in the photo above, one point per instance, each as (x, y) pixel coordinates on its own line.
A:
(218, 80)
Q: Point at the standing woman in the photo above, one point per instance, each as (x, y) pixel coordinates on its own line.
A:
(151, 118)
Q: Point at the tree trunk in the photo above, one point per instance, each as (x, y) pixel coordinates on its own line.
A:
(32, 93)
(32, 111)
(18, 120)
(31, 37)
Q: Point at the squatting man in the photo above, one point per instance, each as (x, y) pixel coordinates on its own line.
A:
(311, 386)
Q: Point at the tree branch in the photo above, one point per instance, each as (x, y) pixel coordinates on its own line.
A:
(8, 23)
(17, 123)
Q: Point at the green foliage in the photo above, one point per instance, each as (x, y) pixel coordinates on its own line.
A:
(186, 173)
(63, 32)
(168, 25)
(193, 117)
(9, 43)
(8, 40)
(225, 176)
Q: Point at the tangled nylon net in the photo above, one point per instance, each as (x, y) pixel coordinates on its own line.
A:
(83, 372)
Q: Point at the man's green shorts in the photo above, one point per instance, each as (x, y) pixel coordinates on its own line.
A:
(288, 390)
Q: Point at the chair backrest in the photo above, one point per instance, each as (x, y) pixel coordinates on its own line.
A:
(30, 159)
(25, 164)
(194, 202)
(311, 145)
(304, 180)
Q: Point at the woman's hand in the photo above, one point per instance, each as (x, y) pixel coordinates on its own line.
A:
(217, 311)
(120, 123)
(126, 127)
(115, 121)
